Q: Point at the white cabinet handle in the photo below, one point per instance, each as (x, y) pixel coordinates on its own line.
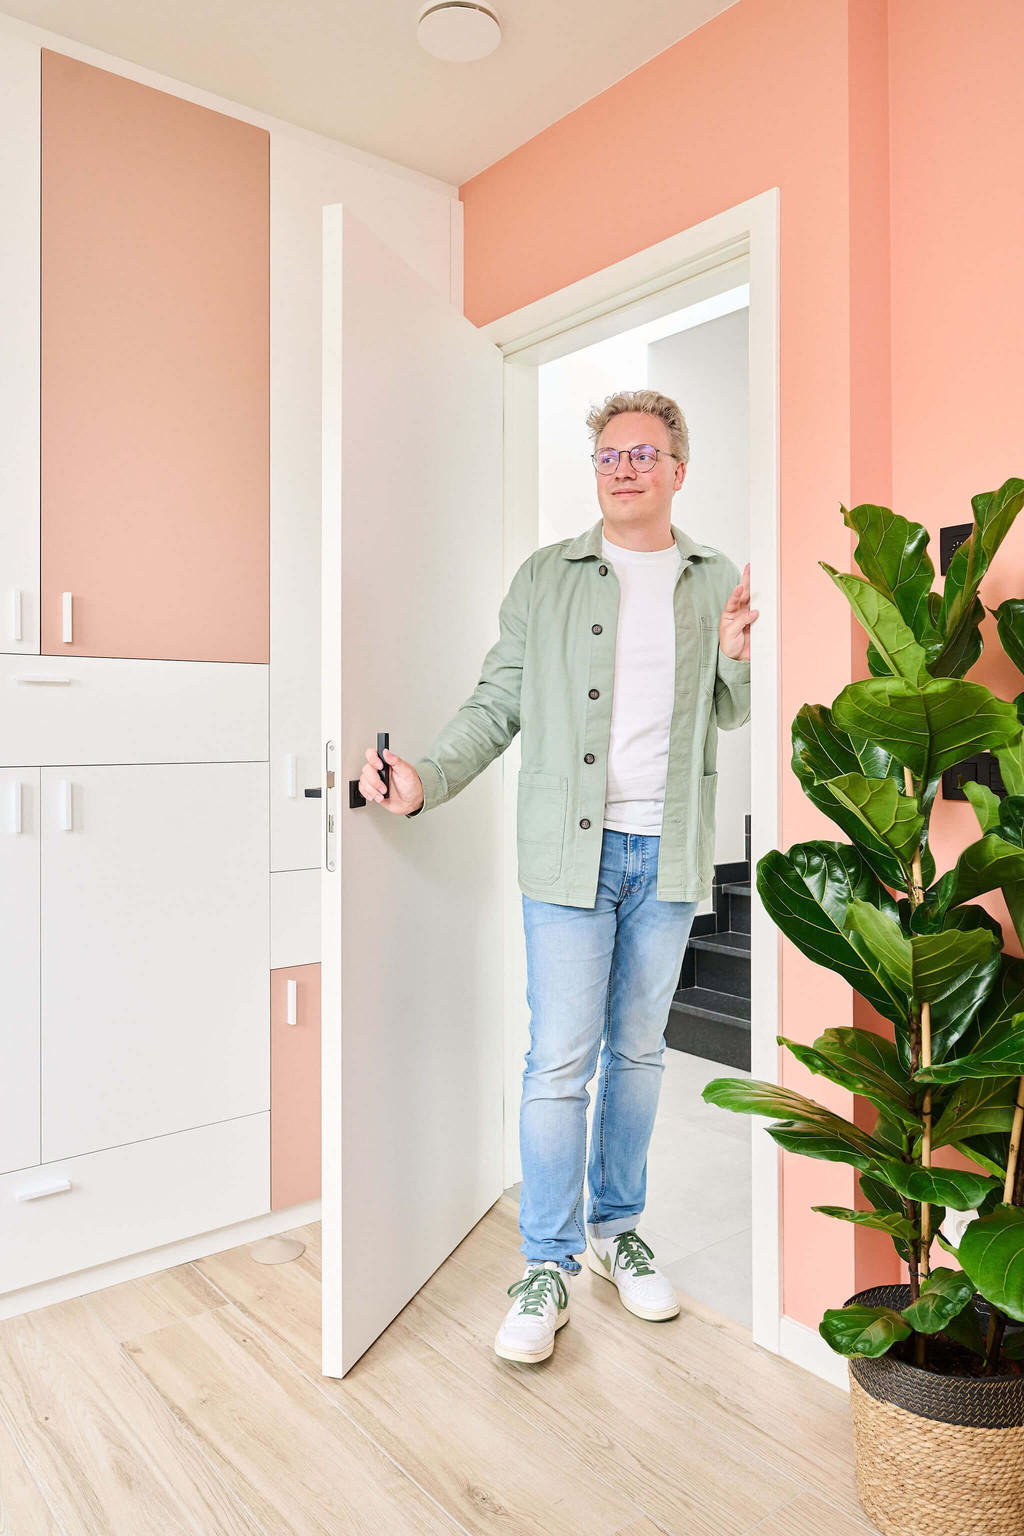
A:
(64, 804)
(65, 610)
(42, 677)
(55, 1186)
(293, 1002)
(16, 614)
(290, 777)
(17, 820)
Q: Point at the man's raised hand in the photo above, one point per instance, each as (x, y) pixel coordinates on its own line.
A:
(737, 617)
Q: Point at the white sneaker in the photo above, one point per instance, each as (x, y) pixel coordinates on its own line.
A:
(541, 1307)
(628, 1263)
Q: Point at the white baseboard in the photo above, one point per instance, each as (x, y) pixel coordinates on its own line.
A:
(806, 1348)
(31, 1297)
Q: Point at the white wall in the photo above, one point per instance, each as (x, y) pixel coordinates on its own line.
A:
(705, 369)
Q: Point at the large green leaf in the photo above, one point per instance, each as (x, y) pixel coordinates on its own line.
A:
(806, 1126)
(749, 1096)
(985, 802)
(821, 751)
(860, 1330)
(808, 1141)
(979, 1106)
(991, 1252)
(992, 863)
(960, 612)
(953, 1013)
(931, 728)
(923, 966)
(881, 1221)
(1010, 756)
(966, 1329)
(956, 1188)
(943, 1294)
(893, 554)
(890, 634)
(1002, 1055)
(862, 1062)
(1009, 617)
(879, 808)
(807, 891)
(990, 1025)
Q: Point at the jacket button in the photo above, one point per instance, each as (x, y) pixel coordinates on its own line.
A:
(602, 570)
(584, 823)
(588, 757)
(595, 693)
(596, 628)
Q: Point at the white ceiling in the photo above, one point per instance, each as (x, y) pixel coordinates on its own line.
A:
(356, 72)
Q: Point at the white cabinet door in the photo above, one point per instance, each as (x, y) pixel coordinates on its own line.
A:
(19, 968)
(19, 349)
(412, 933)
(155, 951)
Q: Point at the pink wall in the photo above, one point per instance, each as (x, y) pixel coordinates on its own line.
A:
(898, 376)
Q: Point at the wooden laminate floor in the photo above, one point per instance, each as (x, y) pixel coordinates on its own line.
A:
(192, 1401)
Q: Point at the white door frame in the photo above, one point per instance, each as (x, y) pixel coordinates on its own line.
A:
(735, 246)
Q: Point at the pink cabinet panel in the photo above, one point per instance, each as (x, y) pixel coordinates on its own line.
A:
(294, 1085)
(155, 369)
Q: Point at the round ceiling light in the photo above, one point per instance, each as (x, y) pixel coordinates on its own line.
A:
(458, 31)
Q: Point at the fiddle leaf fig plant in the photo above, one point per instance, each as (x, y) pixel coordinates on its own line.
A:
(913, 944)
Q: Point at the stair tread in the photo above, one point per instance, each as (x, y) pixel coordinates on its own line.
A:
(737, 890)
(727, 941)
(714, 1005)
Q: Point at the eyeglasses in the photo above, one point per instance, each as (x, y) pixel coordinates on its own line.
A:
(643, 458)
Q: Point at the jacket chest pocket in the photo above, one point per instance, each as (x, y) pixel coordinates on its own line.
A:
(541, 800)
(708, 655)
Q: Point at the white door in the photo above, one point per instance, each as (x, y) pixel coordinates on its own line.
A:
(412, 939)
(155, 950)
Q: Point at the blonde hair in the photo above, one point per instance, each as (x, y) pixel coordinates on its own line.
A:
(651, 404)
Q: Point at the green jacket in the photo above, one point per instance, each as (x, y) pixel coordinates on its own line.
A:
(550, 675)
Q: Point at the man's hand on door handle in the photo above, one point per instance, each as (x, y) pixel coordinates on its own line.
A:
(405, 792)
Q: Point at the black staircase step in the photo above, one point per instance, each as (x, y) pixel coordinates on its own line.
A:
(723, 1006)
(736, 889)
(710, 1025)
(732, 943)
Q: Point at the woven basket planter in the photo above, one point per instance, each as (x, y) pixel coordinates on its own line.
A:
(936, 1455)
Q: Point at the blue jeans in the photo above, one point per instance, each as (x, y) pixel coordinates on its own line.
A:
(599, 980)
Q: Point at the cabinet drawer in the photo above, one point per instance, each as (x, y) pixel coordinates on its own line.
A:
(132, 1198)
(73, 709)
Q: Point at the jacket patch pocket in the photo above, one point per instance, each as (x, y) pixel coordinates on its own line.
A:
(708, 655)
(541, 801)
(706, 793)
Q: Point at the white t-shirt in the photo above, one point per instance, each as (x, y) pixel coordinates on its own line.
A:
(643, 692)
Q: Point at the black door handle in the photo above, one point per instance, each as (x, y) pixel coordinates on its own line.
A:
(355, 798)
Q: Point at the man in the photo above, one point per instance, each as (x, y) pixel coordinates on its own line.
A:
(621, 652)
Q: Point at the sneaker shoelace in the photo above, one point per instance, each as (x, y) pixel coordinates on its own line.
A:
(633, 1253)
(536, 1288)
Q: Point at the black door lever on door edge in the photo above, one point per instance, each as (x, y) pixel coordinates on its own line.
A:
(355, 798)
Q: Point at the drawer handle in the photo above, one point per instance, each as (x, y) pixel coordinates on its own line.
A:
(17, 798)
(290, 776)
(16, 611)
(41, 677)
(51, 1187)
(293, 1002)
(65, 615)
(64, 805)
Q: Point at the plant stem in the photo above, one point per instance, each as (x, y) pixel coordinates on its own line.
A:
(916, 898)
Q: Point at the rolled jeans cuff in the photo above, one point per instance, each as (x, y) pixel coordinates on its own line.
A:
(613, 1228)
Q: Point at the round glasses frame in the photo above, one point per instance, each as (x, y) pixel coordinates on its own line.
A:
(637, 448)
